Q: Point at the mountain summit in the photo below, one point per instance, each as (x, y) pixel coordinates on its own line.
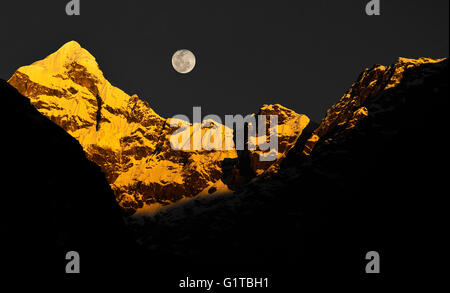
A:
(125, 137)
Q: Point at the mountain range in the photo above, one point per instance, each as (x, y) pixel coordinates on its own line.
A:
(362, 179)
(126, 138)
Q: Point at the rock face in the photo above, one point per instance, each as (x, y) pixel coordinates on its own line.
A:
(352, 107)
(61, 200)
(290, 127)
(125, 137)
(289, 130)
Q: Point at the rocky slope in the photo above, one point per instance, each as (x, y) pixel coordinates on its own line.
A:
(352, 107)
(127, 139)
(374, 182)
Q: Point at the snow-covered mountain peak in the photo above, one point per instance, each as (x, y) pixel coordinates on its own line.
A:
(125, 137)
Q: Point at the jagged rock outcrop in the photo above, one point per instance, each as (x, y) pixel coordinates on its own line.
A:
(126, 138)
(351, 108)
(289, 130)
(290, 127)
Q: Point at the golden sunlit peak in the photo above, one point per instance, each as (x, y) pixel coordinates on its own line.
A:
(71, 44)
(70, 52)
(422, 60)
(73, 50)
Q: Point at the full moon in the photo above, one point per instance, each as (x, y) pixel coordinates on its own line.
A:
(183, 61)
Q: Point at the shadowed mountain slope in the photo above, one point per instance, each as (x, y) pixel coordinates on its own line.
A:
(377, 185)
(55, 200)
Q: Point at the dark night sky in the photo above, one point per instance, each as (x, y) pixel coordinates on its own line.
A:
(301, 54)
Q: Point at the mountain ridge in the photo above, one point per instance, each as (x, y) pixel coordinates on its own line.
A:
(122, 133)
(376, 186)
(131, 142)
(362, 179)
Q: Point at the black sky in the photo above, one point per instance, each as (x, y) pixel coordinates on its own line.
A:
(301, 54)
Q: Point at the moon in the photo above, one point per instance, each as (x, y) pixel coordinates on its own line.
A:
(183, 61)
